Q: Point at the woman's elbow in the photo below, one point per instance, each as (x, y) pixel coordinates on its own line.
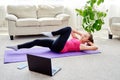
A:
(95, 48)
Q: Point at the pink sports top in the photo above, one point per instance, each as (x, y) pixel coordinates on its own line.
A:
(71, 45)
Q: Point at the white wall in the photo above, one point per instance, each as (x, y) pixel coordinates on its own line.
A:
(2, 16)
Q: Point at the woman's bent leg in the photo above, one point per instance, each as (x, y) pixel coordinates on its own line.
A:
(59, 43)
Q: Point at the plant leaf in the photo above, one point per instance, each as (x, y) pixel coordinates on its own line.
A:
(92, 15)
(98, 28)
(79, 11)
(99, 2)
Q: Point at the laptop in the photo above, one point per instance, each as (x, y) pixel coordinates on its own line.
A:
(41, 64)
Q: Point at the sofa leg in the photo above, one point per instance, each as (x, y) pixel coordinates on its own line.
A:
(11, 37)
(110, 36)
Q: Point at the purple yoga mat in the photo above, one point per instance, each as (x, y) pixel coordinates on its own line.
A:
(12, 56)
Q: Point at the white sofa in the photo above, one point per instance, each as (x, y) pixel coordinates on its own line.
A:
(34, 19)
(114, 23)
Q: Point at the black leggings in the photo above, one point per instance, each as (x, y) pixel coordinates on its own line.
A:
(55, 45)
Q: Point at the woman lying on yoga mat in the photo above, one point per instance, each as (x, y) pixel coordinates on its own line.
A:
(62, 43)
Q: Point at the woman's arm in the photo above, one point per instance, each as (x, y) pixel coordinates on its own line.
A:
(74, 33)
(77, 32)
(90, 46)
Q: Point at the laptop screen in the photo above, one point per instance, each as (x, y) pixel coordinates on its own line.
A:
(39, 64)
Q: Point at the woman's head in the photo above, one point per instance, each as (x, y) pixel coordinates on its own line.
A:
(86, 37)
(91, 38)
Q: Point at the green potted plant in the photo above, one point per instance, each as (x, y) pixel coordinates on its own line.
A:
(92, 18)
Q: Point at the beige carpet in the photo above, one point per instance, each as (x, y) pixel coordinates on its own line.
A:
(104, 66)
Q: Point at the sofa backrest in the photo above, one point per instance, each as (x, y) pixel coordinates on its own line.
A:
(46, 10)
(22, 11)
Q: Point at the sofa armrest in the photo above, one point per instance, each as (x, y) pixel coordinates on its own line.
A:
(63, 16)
(114, 20)
(11, 17)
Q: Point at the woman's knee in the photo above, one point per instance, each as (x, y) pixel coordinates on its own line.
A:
(69, 28)
(36, 40)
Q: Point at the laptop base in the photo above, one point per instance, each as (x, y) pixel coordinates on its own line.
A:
(55, 70)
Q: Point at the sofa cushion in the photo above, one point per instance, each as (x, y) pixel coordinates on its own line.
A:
(49, 10)
(22, 11)
(115, 26)
(30, 22)
(49, 21)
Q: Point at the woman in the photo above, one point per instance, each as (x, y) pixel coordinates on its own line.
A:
(62, 44)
